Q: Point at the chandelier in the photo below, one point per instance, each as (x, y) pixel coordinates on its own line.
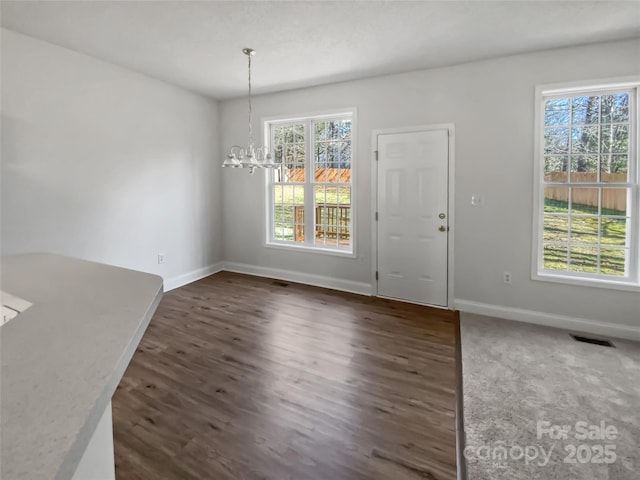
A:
(250, 157)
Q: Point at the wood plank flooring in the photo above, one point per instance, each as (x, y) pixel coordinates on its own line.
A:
(240, 377)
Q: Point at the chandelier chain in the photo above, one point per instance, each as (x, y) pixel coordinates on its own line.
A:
(249, 157)
(250, 109)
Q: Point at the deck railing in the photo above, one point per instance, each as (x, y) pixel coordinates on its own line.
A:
(331, 221)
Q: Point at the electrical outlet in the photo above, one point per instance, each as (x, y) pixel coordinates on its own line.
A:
(160, 258)
(507, 277)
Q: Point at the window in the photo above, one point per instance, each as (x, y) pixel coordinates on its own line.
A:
(310, 196)
(586, 221)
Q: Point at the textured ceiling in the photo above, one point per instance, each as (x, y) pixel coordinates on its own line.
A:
(197, 45)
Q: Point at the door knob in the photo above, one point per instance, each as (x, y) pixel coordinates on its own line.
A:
(442, 228)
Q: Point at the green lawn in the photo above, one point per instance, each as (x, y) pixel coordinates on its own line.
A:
(294, 195)
(286, 197)
(578, 251)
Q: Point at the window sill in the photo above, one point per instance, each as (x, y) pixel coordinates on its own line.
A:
(587, 282)
(311, 249)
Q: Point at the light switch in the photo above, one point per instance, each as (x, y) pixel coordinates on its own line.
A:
(477, 200)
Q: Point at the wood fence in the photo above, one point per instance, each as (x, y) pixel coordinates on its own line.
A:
(328, 175)
(332, 221)
(612, 198)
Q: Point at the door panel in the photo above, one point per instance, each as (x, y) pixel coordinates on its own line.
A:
(412, 193)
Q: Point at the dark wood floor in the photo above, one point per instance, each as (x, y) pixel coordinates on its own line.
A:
(239, 377)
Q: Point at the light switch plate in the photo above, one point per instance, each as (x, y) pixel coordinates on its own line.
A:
(477, 200)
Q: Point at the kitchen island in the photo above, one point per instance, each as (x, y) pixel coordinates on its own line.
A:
(62, 359)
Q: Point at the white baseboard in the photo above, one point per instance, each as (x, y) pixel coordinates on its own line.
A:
(300, 277)
(180, 280)
(629, 332)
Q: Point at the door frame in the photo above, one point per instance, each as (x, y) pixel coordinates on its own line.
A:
(450, 128)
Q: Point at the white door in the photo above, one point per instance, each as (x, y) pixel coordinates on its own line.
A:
(413, 216)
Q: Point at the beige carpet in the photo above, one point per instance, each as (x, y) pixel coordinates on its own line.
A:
(526, 390)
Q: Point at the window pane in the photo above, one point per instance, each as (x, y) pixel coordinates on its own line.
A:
(584, 259)
(300, 174)
(584, 230)
(556, 228)
(345, 174)
(345, 129)
(289, 154)
(615, 108)
(320, 131)
(614, 201)
(320, 195)
(321, 173)
(557, 112)
(278, 231)
(287, 194)
(332, 195)
(613, 231)
(556, 140)
(287, 214)
(345, 155)
(556, 200)
(277, 193)
(298, 154)
(614, 168)
(333, 154)
(584, 201)
(344, 195)
(584, 168)
(555, 257)
(321, 153)
(586, 109)
(613, 261)
(287, 232)
(298, 195)
(288, 134)
(584, 139)
(278, 213)
(555, 168)
(614, 139)
(278, 135)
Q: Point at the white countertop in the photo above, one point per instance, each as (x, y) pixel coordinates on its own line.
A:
(64, 356)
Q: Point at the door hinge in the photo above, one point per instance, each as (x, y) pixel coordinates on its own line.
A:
(376, 216)
(376, 275)
(376, 154)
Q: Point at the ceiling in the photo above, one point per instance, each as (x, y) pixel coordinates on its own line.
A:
(197, 44)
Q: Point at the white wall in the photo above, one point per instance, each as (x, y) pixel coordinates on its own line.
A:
(102, 163)
(488, 101)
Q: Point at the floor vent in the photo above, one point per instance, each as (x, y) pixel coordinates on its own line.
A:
(594, 341)
(279, 283)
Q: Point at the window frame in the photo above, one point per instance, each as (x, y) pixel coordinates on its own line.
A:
(600, 87)
(308, 245)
